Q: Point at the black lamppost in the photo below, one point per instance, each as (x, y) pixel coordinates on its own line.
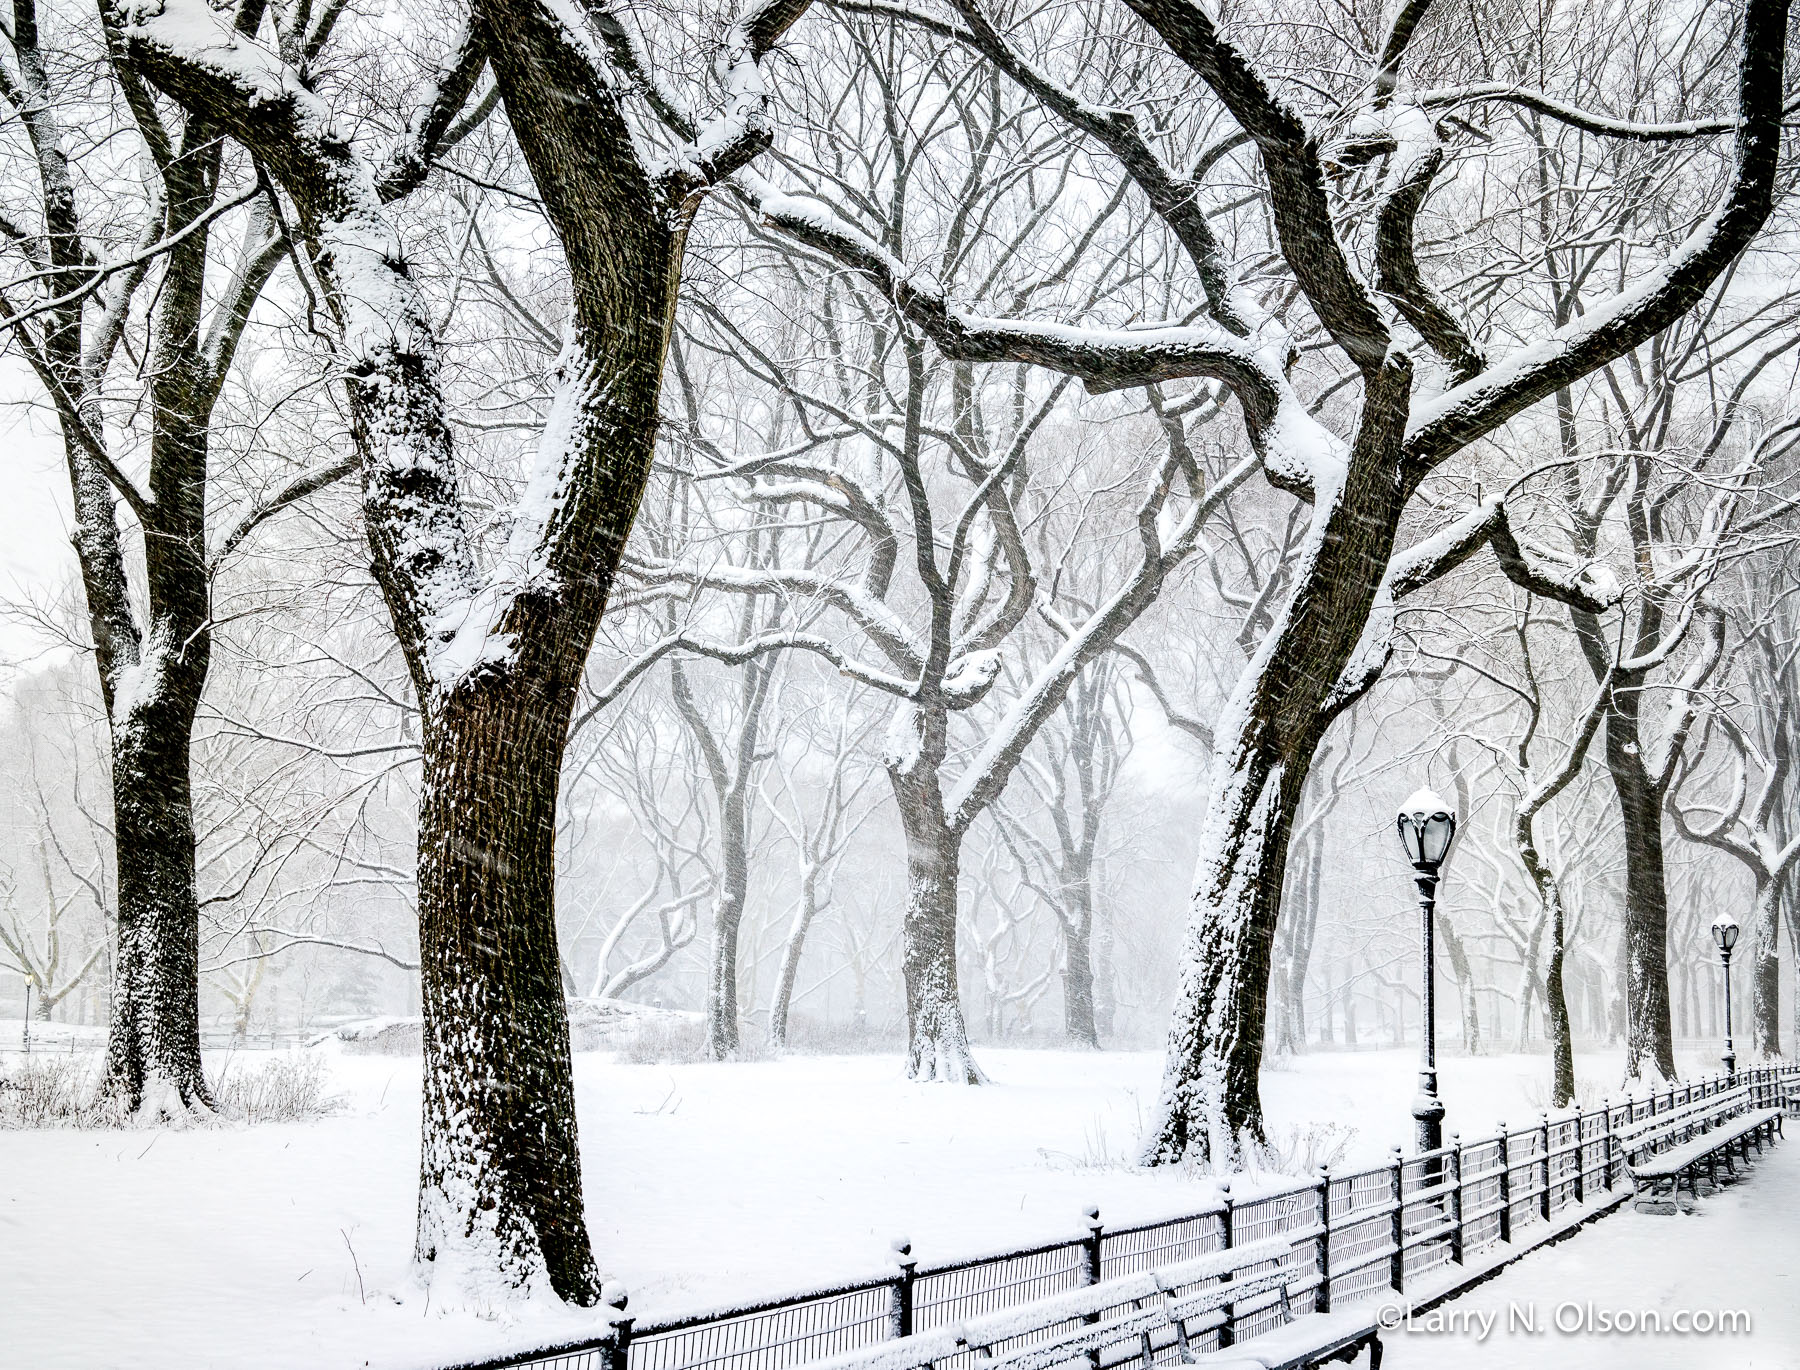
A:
(1427, 827)
(1725, 935)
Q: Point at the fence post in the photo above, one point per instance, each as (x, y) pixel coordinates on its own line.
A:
(1456, 1199)
(1322, 1301)
(1090, 1270)
(1582, 1143)
(1606, 1156)
(1397, 1231)
(1544, 1145)
(618, 1346)
(1228, 1327)
(900, 1310)
(1505, 1185)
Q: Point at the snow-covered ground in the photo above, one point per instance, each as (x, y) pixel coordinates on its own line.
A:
(1738, 1252)
(287, 1245)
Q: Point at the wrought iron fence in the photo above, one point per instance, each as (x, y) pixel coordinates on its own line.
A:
(1355, 1235)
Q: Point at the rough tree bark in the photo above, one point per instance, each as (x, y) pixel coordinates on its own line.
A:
(496, 659)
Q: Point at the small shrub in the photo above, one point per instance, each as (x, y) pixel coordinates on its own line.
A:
(288, 1088)
(44, 1090)
(1302, 1150)
(671, 1040)
(810, 1036)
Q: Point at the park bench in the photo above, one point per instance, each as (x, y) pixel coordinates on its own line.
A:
(1130, 1322)
(1668, 1148)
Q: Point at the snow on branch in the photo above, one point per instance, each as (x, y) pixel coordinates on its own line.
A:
(429, 130)
(1643, 309)
(1298, 451)
(414, 516)
(1573, 115)
(877, 621)
(740, 130)
(300, 487)
(1295, 173)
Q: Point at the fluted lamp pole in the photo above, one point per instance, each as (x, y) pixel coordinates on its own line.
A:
(1427, 828)
(1725, 935)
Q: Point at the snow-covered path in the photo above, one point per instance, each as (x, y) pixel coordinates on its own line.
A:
(1739, 1250)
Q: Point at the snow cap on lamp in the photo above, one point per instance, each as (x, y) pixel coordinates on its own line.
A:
(1427, 826)
(1725, 932)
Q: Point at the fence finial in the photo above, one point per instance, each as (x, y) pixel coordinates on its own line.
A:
(613, 1295)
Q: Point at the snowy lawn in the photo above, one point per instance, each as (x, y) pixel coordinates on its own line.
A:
(287, 1245)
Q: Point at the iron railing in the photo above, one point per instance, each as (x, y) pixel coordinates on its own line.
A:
(1355, 1236)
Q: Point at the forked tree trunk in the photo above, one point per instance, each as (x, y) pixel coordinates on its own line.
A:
(499, 1177)
(496, 658)
(1211, 1104)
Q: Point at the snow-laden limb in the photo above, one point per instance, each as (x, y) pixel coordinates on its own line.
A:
(1605, 330)
(301, 487)
(429, 130)
(1297, 449)
(988, 771)
(1449, 97)
(1587, 585)
(1294, 173)
(877, 620)
(385, 342)
(740, 130)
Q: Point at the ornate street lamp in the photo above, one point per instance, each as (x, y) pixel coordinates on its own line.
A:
(1427, 827)
(1725, 935)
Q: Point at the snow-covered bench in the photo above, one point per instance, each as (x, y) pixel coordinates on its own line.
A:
(1670, 1147)
(1127, 1322)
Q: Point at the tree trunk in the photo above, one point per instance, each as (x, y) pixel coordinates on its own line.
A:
(153, 1045)
(1765, 972)
(1211, 1105)
(937, 1036)
(1078, 983)
(1465, 987)
(499, 1176)
(1649, 1035)
(1556, 1011)
(722, 1038)
(790, 955)
(1294, 688)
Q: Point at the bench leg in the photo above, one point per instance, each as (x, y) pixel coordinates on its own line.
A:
(1375, 1353)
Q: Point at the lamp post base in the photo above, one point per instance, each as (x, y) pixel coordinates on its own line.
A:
(1428, 1120)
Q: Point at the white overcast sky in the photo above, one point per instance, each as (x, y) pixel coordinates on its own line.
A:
(35, 555)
